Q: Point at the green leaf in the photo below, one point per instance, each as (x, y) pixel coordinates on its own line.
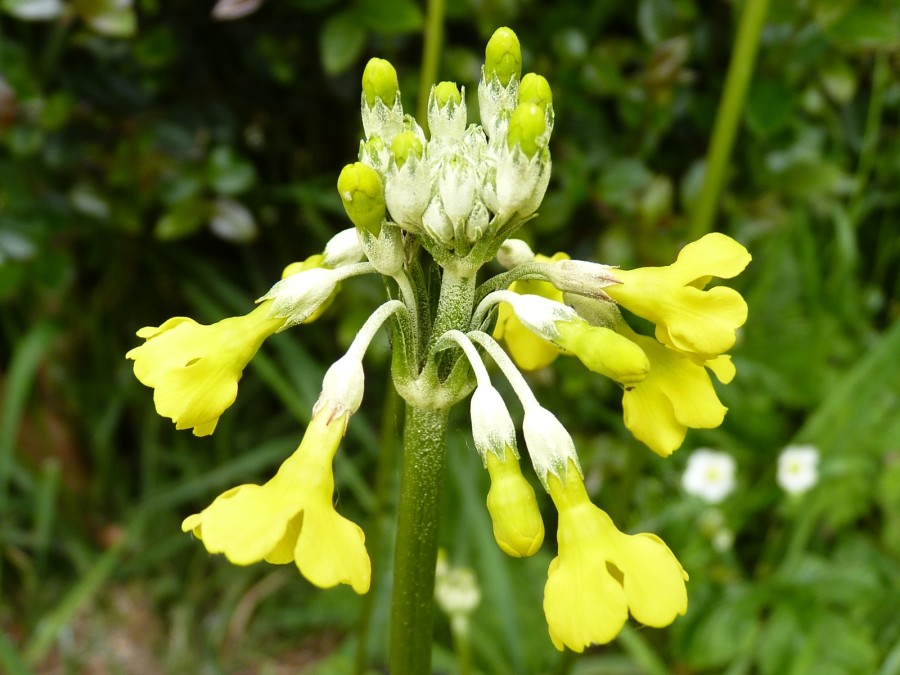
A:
(867, 27)
(391, 16)
(768, 107)
(229, 174)
(341, 43)
(182, 219)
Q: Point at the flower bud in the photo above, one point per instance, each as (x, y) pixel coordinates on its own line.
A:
(362, 192)
(514, 252)
(526, 128)
(457, 185)
(604, 351)
(374, 153)
(379, 81)
(535, 89)
(343, 249)
(406, 145)
(503, 57)
(478, 221)
(446, 112)
(518, 528)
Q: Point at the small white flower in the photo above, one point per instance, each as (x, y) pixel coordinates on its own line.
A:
(709, 475)
(798, 468)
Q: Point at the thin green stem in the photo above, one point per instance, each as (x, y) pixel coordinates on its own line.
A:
(431, 52)
(728, 116)
(418, 520)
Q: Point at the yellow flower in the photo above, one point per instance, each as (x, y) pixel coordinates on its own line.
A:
(676, 394)
(529, 351)
(601, 574)
(195, 368)
(518, 528)
(291, 517)
(686, 316)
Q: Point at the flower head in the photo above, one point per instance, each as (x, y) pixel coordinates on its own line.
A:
(195, 368)
(798, 468)
(601, 574)
(709, 475)
(687, 317)
(291, 517)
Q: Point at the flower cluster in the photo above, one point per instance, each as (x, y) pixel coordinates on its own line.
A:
(443, 206)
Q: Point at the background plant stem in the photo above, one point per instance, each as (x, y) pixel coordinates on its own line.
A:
(433, 40)
(418, 521)
(737, 80)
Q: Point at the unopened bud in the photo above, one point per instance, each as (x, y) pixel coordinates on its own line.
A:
(446, 93)
(362, 192)
(405, 145)
(514, 252)
(343, 249)
(518, 528)
(503, 57)
(379, 80)
(526, 128)
(535, 89)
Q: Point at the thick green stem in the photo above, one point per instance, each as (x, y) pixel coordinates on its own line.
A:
(421, 495)
(740, 70)
(418, 520)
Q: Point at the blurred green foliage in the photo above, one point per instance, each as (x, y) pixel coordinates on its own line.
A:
(155, 161)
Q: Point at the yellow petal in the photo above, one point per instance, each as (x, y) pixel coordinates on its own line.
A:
(247, 522)
(331, 550)
(715, 255)
(583, 604)
(649, 415)
(653, 578)
(703, 321)
(723, 367)
(197, 395)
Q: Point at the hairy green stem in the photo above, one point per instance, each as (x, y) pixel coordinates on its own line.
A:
(421, 496)
(431, 52)
(737, 80)
(418, 520)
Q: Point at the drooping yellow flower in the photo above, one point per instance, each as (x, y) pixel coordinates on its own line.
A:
(291, 517)
(686, 316)
(677, 394)
(604, 351)
(518, 528)
(529, 351)
(195, 368)
(601, 574)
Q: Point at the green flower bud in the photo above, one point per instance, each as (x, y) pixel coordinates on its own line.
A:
(362, 192)
(527, 124)
(379, 80)
(503, 57)
(404, 145)
(534, 88)
(447, 93)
